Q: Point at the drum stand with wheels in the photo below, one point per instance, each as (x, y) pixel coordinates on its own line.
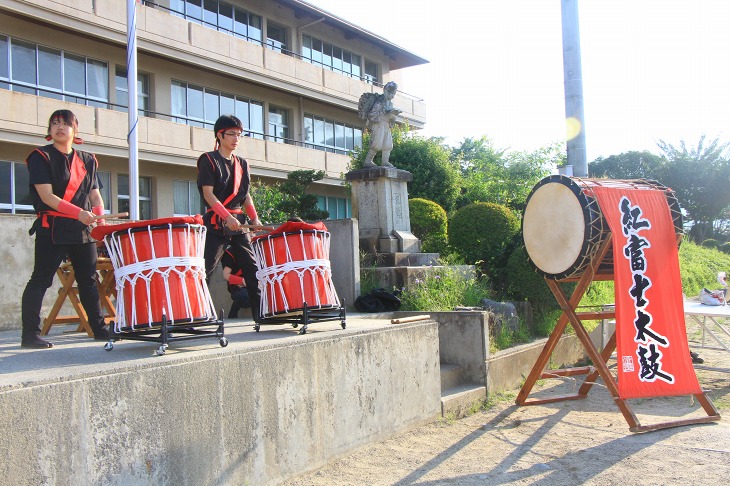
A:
(167, 333)
(600, 367)
(307, 315)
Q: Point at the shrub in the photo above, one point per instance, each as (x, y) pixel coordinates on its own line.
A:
(710, 243)
(725, 247)
(523, 283)
(428, 223)
(483, 231)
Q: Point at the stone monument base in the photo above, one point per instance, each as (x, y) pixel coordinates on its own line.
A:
(380, 204)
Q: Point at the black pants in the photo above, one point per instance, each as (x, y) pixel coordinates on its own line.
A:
(215, 245)
(48, 256)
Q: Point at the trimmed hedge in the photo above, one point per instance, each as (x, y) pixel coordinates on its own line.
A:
(483, 231)
(429, 224)
(710, 243)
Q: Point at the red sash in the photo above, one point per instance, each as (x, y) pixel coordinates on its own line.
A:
(78, 173)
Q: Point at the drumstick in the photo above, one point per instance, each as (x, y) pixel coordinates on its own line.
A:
(258, 227)
(113, 215)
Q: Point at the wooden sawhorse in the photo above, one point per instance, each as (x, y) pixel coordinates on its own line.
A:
(107, 289)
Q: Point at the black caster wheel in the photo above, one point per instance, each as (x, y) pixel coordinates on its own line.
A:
(343, 325)
(223, 342)
(257, 328)
(109, 346)
(161, 350)
(295, 325)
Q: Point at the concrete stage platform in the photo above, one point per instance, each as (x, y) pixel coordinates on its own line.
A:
(270, 405)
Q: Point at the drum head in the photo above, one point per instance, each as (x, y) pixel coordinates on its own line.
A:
(553, 228)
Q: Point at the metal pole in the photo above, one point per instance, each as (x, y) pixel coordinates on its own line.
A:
(133, 115)
(573, 78)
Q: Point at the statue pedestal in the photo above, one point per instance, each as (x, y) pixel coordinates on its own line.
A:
(380, 204)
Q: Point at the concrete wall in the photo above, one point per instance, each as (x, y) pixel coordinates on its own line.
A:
(508, 368)
(16, 265)
(249, 416)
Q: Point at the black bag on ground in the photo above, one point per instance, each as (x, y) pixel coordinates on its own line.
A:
(379, 300)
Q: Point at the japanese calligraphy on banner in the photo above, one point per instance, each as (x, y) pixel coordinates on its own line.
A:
(652, 350)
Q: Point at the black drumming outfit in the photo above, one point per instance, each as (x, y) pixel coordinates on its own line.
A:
(58, 236)
(231, 180)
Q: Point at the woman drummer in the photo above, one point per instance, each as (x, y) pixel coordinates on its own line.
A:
(223, 182)
(66, 197)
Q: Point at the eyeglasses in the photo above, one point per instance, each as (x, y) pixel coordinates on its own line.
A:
(233, 134)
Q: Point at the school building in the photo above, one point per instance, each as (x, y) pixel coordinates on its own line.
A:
(292, 72)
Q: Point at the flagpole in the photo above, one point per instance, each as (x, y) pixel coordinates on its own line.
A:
(133, 114)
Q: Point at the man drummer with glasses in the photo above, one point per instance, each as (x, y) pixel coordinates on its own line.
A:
(223, 181)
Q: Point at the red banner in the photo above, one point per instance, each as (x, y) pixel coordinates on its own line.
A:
(652, 349)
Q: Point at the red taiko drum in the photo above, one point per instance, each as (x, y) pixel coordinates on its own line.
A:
(563, 227)
(159, 270)
(294, 269)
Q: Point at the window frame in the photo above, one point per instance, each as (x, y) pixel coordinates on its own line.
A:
(93, 69)
(192, 188)
(143, 95)
(125, 197)
(13, 207)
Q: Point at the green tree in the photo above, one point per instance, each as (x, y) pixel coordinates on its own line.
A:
(267, 198)
(295, 202)
(500, 177)
(699, 176)
(628, 165)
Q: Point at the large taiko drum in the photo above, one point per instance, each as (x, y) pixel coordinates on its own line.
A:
(563, 227)
(294, 269)
(160, 271)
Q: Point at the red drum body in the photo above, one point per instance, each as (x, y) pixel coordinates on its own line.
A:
(160, 271)
(563, 227)
(294, 270)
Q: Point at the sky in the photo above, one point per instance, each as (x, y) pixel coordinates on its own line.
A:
(652, 69)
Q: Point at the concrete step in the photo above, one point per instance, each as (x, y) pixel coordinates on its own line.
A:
(450, 376)
(458, 400)
(401, 259)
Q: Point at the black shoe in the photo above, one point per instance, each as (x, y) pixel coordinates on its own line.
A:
(696, 358)
(35, 341)
(101, 334)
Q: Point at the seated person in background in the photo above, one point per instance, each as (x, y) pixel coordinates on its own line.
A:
(233, 274)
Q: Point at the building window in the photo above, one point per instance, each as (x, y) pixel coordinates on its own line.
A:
(201, 107)
(278, 125)
(105, 188)
(371, 72)
(186, 198)
(221, 16)
(332, 136)
(29, 68)
(330, 57)
(276, 37)
(122, 92)
(15, 195)
(338, 207)
(145, 195)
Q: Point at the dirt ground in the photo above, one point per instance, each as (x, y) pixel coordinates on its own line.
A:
(563, 443)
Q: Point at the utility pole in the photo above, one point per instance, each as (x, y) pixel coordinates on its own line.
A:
(573, 79)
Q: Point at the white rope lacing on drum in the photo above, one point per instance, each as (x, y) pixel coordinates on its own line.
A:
(185, 267)
(317, 270)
